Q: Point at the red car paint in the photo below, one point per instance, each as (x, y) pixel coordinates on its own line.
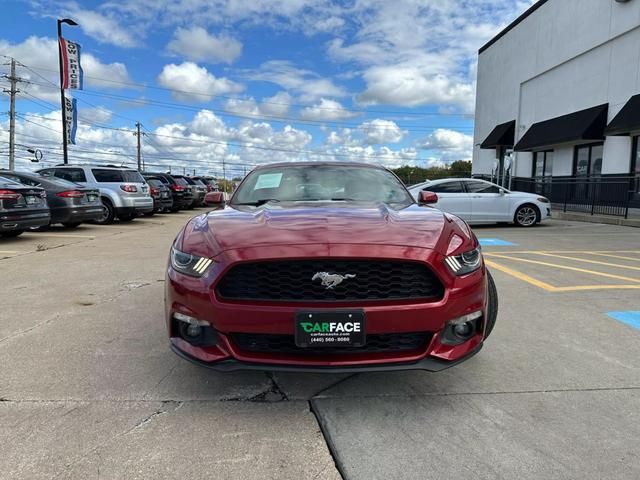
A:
(324, 231)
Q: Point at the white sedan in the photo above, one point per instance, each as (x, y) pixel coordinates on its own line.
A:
(478, 201)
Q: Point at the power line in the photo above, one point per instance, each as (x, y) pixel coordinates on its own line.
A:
(274, 118)
(208, 95)
(246, 145)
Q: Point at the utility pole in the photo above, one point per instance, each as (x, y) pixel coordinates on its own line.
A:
(139, 135)
(224, 176)
(12, 114)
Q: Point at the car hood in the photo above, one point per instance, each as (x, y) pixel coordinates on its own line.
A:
(304, 224)
(525, 195)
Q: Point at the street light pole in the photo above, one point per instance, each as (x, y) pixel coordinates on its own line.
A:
(68, 21)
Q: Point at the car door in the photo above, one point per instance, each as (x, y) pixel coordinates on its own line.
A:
(488, 204)
(452, 198)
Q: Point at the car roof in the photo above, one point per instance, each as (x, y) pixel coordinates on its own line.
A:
(317, 164)
(102, 167)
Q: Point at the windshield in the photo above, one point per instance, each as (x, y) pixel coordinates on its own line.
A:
(321, 183)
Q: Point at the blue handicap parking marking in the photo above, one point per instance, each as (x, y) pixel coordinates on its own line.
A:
(629, 318)
(495, 242)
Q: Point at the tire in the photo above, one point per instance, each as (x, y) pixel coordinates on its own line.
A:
(150, 214)
(72, 224)
(527, 216)
(126, 217)
(108, 213)
(492, 306)
(12, 234)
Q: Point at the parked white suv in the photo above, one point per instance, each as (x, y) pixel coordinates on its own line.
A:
(123, 191)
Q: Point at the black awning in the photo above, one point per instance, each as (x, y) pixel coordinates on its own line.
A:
(586, 124)
(503, 135)
(627, 121)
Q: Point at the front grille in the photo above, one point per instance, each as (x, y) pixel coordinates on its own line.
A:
(285, 344)
(291, 281)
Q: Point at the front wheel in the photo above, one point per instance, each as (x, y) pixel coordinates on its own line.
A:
(526, 216)
(492, 305)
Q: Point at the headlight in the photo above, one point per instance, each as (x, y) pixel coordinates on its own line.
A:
(465, 263)
(543, 200)
(189, 264)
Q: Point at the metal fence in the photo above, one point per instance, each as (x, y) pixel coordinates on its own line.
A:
(592, 195)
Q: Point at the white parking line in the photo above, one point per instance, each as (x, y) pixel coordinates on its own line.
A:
(61, 235)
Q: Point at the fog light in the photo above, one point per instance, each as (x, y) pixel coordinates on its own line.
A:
(193, 330)
(196, 332)
(461, 329)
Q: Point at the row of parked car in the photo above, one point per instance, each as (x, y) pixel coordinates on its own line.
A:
(75, 194)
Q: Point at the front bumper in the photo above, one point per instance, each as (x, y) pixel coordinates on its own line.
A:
(196, 297)
(430, 364)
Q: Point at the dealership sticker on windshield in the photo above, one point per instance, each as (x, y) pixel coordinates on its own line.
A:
(268, 180)
(330, 329)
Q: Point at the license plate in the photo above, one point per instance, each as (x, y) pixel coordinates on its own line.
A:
(330, 329)
(91, 198)
(164, 195)
(31, 200)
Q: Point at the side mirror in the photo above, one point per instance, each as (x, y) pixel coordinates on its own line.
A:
(503, 191)
(214, 199)
(427, 198)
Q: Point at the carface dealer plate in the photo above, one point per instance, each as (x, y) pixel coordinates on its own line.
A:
(330, 329)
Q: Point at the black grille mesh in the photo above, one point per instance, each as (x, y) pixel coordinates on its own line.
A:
(285, 344)
(291, 281)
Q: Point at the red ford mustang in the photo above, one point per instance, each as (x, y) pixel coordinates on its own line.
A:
(327, 267)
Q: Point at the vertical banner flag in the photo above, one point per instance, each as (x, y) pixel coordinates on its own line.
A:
(71, 68)
(71, 119)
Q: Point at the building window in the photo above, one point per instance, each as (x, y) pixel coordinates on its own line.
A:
(635, 158)
(588, 160)
(542, 164)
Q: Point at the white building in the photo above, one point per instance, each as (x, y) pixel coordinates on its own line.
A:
(561, 87)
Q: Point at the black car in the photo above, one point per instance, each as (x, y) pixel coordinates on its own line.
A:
(196, 190)
(70, 203)
(210, 182)
(180, 189)
(162, 199)
(21, 208)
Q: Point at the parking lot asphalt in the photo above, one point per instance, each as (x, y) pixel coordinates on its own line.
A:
(89, 388)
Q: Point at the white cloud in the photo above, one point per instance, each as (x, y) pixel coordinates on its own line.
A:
(197, 44)
(449, 144)
(42, 52)
(378, 132)
(326, 110)
(104, 29)
(275, 106)
(308, 85)
(191, 82)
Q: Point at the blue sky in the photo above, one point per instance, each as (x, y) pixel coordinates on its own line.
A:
(381, 81)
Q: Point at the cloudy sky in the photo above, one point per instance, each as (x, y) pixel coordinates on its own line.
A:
(381, 81)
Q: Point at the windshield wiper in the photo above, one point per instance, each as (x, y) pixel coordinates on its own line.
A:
(343, 200)
(259, 203)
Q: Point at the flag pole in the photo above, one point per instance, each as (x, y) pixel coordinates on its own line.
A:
(62, 100)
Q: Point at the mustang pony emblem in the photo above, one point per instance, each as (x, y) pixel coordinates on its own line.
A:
(331, 280)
